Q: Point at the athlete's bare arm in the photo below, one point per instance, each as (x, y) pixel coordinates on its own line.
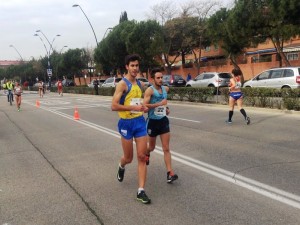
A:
(116, 106)
(147, 96)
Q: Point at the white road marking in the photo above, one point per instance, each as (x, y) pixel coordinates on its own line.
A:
(255, 186)
(176, 118)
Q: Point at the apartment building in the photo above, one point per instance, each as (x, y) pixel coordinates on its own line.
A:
(252, 62)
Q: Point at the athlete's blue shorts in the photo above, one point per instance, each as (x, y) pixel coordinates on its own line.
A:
(130, 128)
(236, 95)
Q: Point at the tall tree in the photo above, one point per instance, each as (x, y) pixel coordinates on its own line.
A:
(146, 39)
(73, 61)
(225, 29)
(123, 17)
(201, 10)
(280, 22)
(112, 50)
(182, 34)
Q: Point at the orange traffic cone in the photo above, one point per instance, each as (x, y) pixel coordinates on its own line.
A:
(76, 114)
(37, 103)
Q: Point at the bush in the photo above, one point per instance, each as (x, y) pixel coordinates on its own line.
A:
(190, 94)
(258, 97)
(291, 99)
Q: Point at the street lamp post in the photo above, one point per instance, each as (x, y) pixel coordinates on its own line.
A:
(17, 51)
(49, 70)
(12, 46)
(62, 49)
(57, 63)
(76, 5)
(47, 53)
(106, 32)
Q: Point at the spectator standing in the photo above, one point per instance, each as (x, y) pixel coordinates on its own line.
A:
(96, 84)
(189, 77)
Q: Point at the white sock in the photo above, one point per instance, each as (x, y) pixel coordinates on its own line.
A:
(140, 189)
(121, 166)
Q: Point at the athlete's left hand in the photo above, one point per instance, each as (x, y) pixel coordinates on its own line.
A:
(167, 111)
(145, 109)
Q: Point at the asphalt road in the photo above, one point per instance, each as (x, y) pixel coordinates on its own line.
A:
(57, 170)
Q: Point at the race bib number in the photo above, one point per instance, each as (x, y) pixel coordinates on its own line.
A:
(160, 111)
(18, 90)
(135, 101)
(238, 85)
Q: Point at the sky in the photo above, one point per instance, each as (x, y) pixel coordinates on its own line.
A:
(20, 19)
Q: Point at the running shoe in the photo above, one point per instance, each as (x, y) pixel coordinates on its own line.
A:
(120, 175)
(248, 120)
(143, 197)
(147, 159)
(229, 121)
(171, 177)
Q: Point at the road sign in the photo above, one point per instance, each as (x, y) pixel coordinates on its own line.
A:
(49, 72)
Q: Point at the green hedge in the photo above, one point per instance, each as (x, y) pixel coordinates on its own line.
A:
(271, 98)
(256, 97)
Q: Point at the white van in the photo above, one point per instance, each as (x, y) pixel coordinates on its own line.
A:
(285, 77)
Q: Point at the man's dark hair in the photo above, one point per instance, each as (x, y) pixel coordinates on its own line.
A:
(154, 71)
(131, 58)
(236, 72)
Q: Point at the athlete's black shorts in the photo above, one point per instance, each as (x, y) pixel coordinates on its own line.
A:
(158, 127)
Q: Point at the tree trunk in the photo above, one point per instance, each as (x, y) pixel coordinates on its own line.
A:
(279, 50)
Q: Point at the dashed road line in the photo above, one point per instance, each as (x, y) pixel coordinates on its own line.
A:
(255, 186)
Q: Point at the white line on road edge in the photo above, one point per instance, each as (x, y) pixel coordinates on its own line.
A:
(195, 121)
(263, 189)
(255, 186)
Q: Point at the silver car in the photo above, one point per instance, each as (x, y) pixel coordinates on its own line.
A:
(111, 82)
(286, 77)
(210, 79)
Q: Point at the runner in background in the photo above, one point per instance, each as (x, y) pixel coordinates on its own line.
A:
(40, 86)
(18, 95)
(60, 88)
(236, 96)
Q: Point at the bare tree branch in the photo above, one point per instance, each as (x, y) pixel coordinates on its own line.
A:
(164, 11)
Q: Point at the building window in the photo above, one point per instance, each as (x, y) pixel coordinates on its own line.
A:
(207, 48)
(292, 56)
(261, 58)
(254, 59)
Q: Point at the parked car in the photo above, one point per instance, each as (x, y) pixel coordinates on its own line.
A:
(210, 79)
(68, 83)
(145, 81)
(111, 82)
(173, 80)
(285, 77)
(100, 82)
